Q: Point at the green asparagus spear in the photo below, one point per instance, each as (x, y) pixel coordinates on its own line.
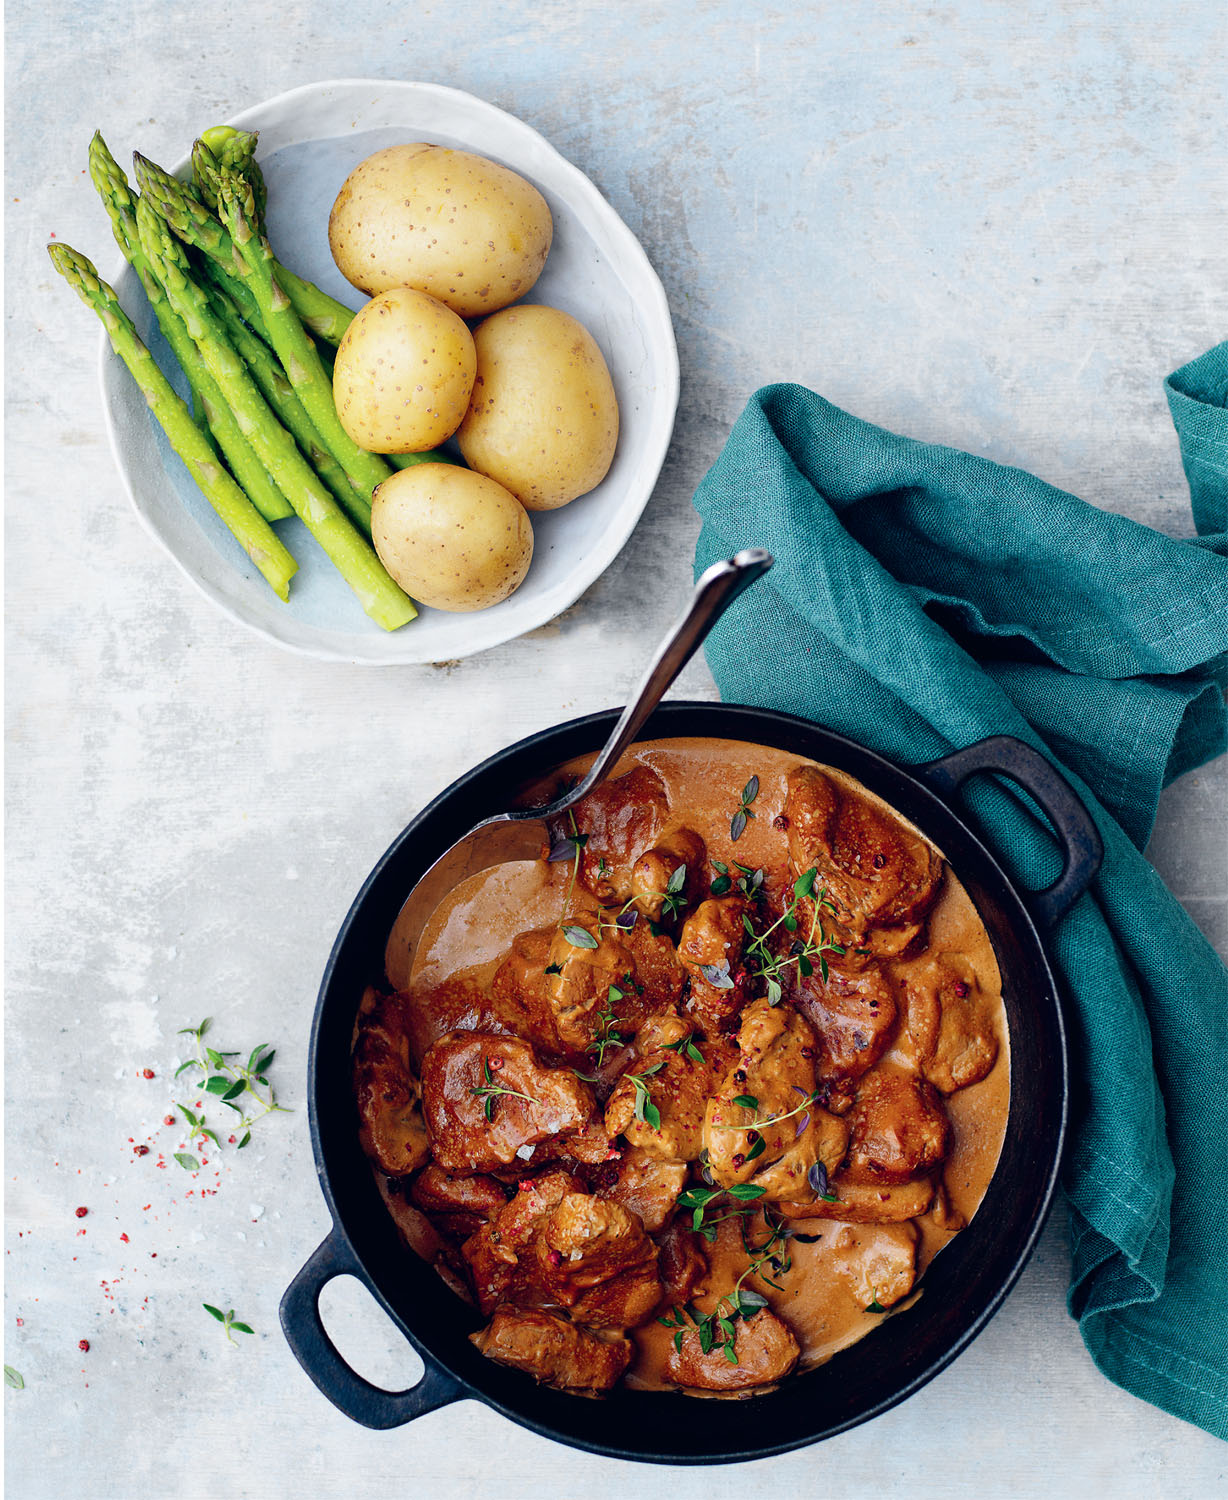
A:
(250, 529)
(223, 145)
(253, 276)
(277, 391)
(197, 226)
(295, 350)
(117, 197)
(350, 553)
(324, 315)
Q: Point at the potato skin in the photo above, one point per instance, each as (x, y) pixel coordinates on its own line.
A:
(543, 417)
(466, 230)
(451, 538)
(404, 373)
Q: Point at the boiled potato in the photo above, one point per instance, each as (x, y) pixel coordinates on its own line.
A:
(543, 419)
(451, 538)
(404, 372)
(466, 230)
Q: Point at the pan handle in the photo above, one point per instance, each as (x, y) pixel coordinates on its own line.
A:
(315, 1351)
(1082, 849)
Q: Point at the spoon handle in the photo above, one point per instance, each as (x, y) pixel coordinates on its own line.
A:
(716, 590)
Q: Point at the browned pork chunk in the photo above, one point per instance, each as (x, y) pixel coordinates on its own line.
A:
(763, 1125)
(656, 875)
(618, 822)
(681, 1261)
(875, 869)
(899, 1131)
(879, 1264)
(554, 1245)
(642, 1183)
(764, 1344)
(488, 1101)
(518, 990)
(502, 1254)
(552, 1350)
(628, 975)
(854, 1017)
(949, 1022)
(858, 1203)
(388, 1095)
(668, 1087)
(710, 949)
(458, 1205)
(596, 1260)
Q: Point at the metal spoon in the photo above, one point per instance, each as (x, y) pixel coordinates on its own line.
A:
(521, 834)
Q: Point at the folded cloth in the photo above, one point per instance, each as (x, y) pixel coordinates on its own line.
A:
(923, 598)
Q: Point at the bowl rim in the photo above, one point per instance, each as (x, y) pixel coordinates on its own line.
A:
(525, 1405)
(361, 647)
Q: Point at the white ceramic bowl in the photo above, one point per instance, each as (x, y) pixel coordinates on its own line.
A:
(310, 139)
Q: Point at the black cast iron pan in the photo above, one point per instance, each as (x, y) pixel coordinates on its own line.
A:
(962, 1287)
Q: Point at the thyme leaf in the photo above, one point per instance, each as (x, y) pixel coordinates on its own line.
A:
(227, 1320)
(737, 826)
(579, 937)
(645, 1110)
(488, 1091)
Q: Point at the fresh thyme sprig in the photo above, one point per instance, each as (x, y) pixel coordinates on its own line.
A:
(570, 848)
(748, 1101)
(227, 1320)
(609, 1020)
(716, 1330)
(673, 900)
(645, 1110)
(685, 1044)
(232, 1084)
(802, 952)
(737, 825)
(700, 1199)
(489, 1091)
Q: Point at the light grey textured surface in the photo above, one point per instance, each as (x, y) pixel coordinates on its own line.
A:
(993, 224)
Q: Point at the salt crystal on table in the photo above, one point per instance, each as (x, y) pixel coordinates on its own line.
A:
(255, 1210)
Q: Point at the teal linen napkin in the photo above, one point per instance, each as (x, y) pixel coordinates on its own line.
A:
(923, 598)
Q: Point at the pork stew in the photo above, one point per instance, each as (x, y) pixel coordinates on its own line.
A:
(691, 1101)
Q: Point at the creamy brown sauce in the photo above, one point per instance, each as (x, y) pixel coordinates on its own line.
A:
(823, 1292)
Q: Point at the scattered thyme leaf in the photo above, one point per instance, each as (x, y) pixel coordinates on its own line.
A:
(227, 1320)
(579, 937)
(13, 1379)
(718, 975)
